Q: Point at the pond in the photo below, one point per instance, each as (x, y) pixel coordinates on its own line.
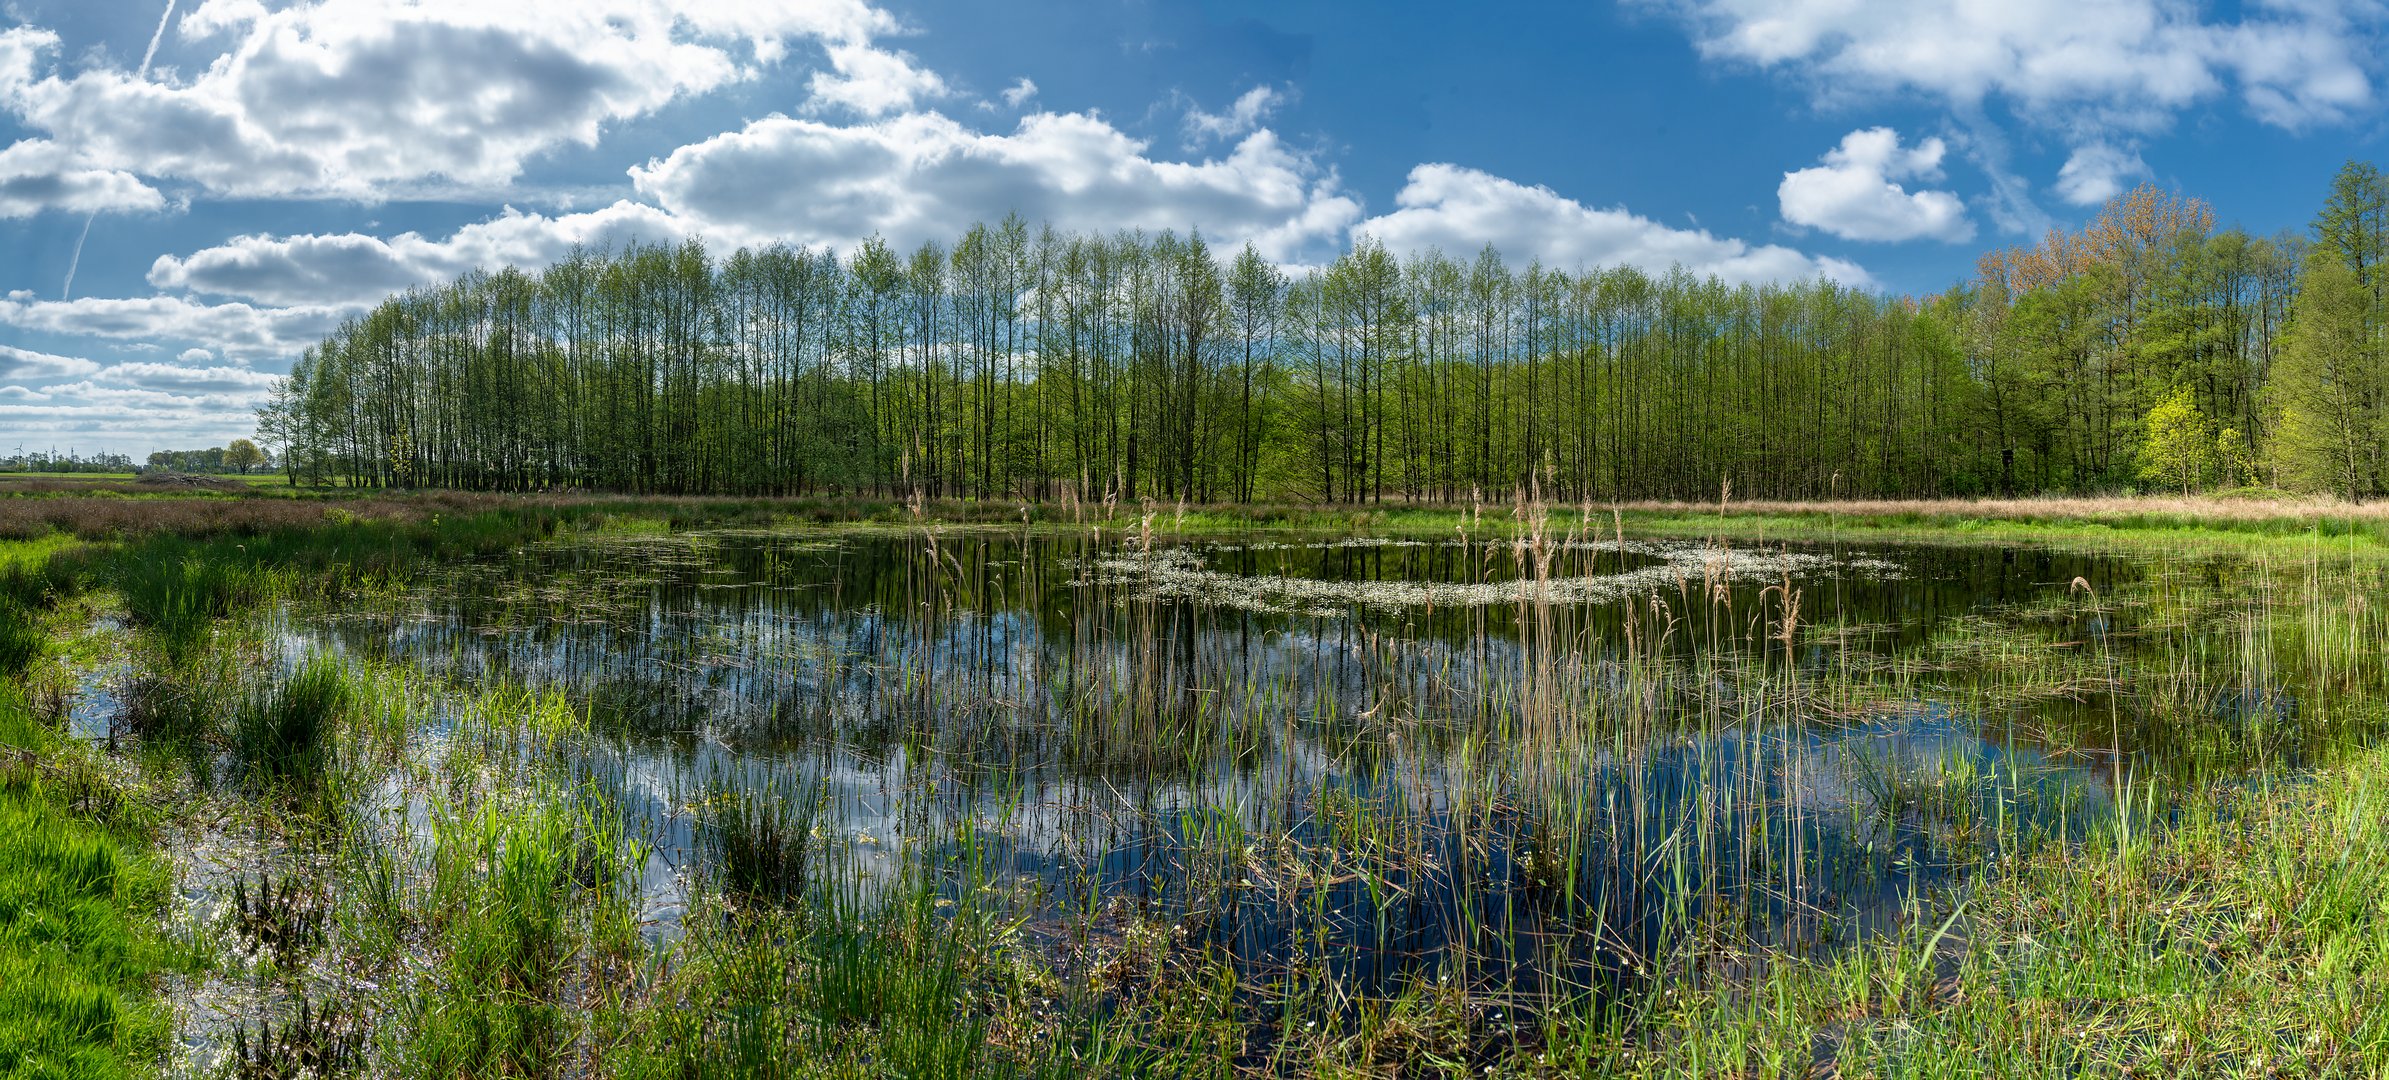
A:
(1557, 765)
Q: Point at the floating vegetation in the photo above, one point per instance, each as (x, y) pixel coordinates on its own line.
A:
(1184, 573)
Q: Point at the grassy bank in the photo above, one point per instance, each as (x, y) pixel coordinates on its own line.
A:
(2246, 939)
(81, 890)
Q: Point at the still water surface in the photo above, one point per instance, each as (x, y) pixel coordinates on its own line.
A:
(1378, 759)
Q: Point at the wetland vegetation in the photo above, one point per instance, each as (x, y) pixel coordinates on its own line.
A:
(449, 785)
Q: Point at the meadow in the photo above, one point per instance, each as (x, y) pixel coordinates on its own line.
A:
(302, 783)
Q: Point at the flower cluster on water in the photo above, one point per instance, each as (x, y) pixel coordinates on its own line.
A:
(1183, 573)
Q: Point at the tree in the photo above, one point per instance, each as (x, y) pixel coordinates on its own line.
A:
(2328, 390)
(2179, 448)
(1256, 299)
(2354, 225)
(241, 455)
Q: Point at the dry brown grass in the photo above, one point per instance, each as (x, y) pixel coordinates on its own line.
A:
(107, 514)
(99, 509)
(2053, 508)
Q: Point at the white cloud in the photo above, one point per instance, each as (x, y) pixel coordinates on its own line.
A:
(875, 81)
(1462, 209)
(353, 270)
(124, 418)
(21, 51)
(196, 356)
(179, 379)
(2128, 60)
(353, 97)
(923, 176)
(1019, 93)
(2089, 71)
(237, 331)
(1246, 114)
(1856, 194)
(24, 364)
(38, 175)
(2096, 173)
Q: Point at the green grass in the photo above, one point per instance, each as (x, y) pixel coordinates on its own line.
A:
(79, 895)
(283, 734)
(2246, 941)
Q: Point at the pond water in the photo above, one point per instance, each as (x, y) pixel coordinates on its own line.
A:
(1535, 767)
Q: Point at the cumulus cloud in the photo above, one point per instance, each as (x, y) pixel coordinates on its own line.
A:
(25, 365)
(1019, 93)
(1462, 209)
(2086, 70)
(125, 417)
(38, 175)
(923, 176)
(874, 81)
(2293, 61)
(349, 97)
(351, 269)
(179, 379)
(236, 331)
(2096, 173)
(1856, 194)
(1246, 114)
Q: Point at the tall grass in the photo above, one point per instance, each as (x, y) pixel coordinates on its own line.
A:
(283, 732)
(761, 840)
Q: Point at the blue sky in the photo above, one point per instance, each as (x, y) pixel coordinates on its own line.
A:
(277, 166)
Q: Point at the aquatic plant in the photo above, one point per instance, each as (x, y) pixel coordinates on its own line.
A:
(284, 731)
(760, 840)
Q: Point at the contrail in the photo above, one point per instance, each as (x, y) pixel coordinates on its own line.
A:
(155, 36)
(66, 291)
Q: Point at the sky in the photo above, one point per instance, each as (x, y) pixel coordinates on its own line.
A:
(193, 191)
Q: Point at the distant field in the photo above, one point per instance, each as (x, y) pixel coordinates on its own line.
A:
(274, 479)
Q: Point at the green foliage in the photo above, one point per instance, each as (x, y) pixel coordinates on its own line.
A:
(2179, 445)
(761, 839)
(1086, 368)
(507, 908)
(2331, 388)
(21, 638)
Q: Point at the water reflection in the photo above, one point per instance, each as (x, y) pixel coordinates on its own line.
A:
(1504, 781)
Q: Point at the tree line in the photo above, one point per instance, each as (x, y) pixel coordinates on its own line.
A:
(2149, 349)
(237, 456)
